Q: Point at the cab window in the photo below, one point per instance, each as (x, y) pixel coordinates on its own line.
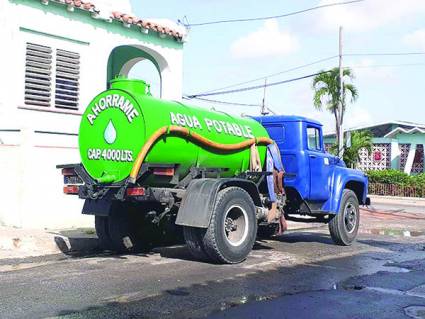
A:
(313, 139)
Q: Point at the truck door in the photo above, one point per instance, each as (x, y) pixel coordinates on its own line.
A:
(319, 164)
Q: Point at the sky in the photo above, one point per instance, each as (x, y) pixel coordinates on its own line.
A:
(215, 56)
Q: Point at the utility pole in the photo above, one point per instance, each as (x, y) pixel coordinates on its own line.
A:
(340, 132)
(263, 105)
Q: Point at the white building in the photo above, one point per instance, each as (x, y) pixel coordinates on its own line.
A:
(55, 56)
(396, 145)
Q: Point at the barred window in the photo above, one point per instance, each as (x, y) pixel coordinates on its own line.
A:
(40, 72)
(38, 68)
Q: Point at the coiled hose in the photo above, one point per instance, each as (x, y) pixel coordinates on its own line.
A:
(167, 130)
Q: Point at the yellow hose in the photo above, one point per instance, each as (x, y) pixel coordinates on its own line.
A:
(166, 130)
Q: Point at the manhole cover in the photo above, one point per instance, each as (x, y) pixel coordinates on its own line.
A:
(415, 312)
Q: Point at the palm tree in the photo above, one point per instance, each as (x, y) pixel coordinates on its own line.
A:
(326, 88)
(359, 140)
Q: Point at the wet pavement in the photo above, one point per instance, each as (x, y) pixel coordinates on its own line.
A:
(299, 275)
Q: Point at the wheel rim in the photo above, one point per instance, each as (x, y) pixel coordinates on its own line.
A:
(235, 225)
(350, 217)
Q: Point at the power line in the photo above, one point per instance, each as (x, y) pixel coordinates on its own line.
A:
(270, 17)
(313, 63)
(384, 54)
(221, 102)
(384, 65)
(273, 74)
(229, 103)
(261, 86)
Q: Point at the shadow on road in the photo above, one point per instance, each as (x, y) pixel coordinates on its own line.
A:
(218, 297)
(213, 297)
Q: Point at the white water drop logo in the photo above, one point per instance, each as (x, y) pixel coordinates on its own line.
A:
(110, 133)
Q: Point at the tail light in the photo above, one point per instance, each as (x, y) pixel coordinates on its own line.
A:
(71, 189)
(164, 171)
(135, 191)
(68, 172)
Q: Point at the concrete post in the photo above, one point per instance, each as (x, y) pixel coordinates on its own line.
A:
(395, 154)
(410, 159)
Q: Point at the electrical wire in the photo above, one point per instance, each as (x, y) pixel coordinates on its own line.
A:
(270, 17)
(384, 54)
(221, 102)
(261, 86)
(230, 103)
(273, 74)
(383, 65)
(316, 62)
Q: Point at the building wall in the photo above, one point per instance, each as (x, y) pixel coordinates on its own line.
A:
(404, 152)
(33, 139)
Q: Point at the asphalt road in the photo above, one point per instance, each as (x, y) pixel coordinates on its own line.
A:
(300, 275)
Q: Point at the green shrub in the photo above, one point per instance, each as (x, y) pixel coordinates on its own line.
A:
(392, 176)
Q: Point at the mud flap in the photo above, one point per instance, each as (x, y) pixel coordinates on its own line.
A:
(199, 200)
(97, 207)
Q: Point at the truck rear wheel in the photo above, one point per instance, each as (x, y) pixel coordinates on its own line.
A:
(126, 229)
(233, 227)
(193, 237)
(344, 226)
(102, 232)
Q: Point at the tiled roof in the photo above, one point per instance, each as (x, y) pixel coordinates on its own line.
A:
(128, 20)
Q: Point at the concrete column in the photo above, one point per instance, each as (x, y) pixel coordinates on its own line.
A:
(423, 146)
(395, 154)
(410, 159)
(171, 84)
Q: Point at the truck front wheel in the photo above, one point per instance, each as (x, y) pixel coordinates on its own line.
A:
(344, 226)
(233, 227)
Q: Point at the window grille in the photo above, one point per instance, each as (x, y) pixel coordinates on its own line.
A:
(67, 79)
(38, 68)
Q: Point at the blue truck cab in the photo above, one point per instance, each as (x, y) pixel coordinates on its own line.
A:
(317, 183)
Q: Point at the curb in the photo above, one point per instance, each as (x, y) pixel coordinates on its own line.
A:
(418, 199)
(415, 201)
(24, 243)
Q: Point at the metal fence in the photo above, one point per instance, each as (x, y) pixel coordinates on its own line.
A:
(396, 190)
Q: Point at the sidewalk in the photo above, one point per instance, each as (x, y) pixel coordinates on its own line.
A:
(22, 243)
(406, 201)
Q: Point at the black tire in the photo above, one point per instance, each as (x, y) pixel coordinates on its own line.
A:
(193, 237)
(126, 230)
(344, 226)
(102, 231)
(222, 241)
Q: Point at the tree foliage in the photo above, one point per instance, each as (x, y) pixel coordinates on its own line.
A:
(359, 140)
(326, 86)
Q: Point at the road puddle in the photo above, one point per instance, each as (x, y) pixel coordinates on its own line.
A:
(243, 300)
(394, 232)
(415, 312)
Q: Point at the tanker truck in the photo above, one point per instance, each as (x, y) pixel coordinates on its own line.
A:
(152, 168)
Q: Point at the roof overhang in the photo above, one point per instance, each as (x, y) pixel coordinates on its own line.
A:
(399, 130)
(163, 29)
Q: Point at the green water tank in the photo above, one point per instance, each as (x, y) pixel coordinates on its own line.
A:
(118, 122)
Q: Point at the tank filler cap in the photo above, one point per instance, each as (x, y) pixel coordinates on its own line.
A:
(131, 85)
